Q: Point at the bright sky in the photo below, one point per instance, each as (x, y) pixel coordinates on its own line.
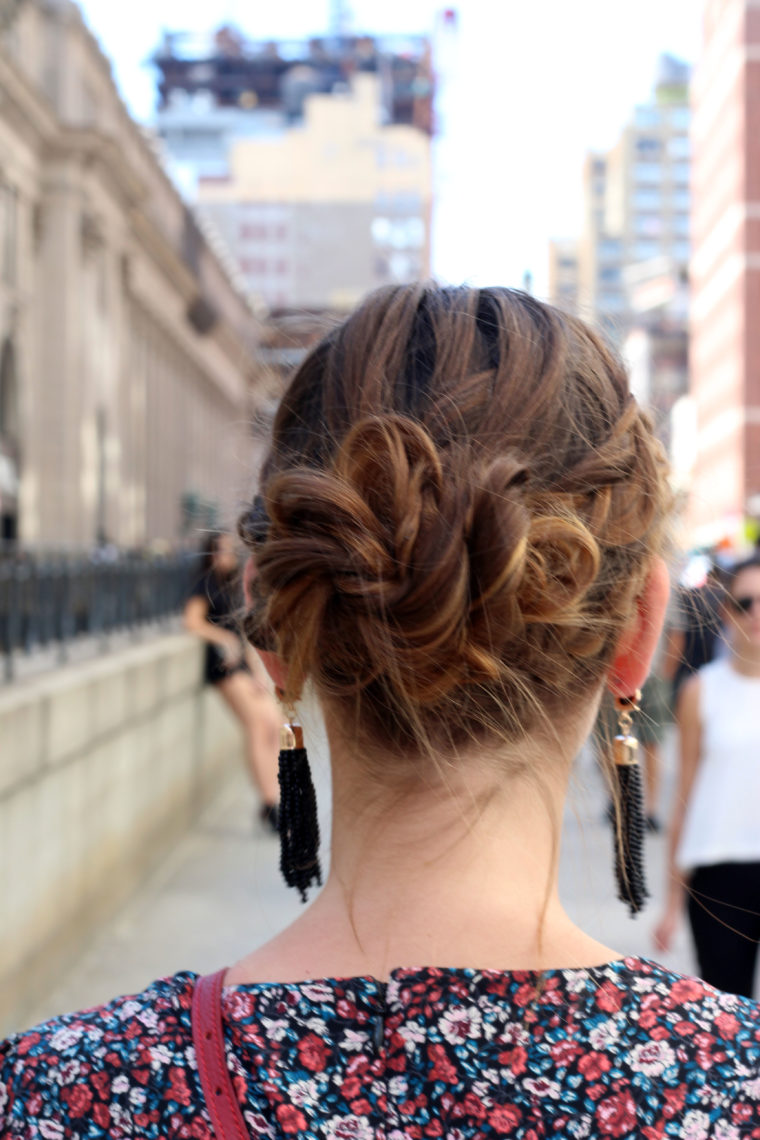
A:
(528, 87)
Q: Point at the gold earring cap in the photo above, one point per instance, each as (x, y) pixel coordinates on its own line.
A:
(625, 751)
(291, 736)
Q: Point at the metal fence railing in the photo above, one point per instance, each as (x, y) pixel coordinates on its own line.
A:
(51, 601)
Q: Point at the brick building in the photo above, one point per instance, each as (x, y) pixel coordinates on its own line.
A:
(725, 271)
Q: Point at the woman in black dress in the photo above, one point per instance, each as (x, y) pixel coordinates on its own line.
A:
(211, 614)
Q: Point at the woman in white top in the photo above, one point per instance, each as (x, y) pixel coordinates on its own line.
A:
(715, 836)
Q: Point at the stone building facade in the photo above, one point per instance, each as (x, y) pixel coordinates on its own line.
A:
(128, 351)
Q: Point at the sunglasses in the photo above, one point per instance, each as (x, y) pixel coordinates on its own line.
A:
(744, 604)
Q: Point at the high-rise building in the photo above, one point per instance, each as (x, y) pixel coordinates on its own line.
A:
(725, 271)
(563, 275)
(128, 350)
(636, 200)
(601, 298)
(313, 161)
(631, 272)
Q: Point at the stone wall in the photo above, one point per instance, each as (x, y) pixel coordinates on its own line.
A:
(103, 766)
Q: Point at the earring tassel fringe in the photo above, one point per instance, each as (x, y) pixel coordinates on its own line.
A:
(299, 826)
(631, 829)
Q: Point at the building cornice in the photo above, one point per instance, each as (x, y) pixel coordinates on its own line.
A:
(101, 152)
(34, 117)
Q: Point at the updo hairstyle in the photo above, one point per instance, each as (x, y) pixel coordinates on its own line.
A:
(457, 513)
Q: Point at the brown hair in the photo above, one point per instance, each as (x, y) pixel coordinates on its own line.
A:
(457, 513)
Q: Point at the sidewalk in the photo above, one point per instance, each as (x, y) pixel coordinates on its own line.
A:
(220, 893)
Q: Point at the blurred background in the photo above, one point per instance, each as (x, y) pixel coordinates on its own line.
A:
(190, 194)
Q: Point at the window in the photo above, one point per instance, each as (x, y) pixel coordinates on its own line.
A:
(680, 117)
(611, 302)
(647, 172)
(8, 390)
(609, 247)
(643, 250)
(281, 266)
(682, 225)
(253, 265)
(679, 146)
(256, 232)
(404, 233)
(401, 267)
(610, 274)
(407, 202)
(647, 199)
(381, 230)
(682, 173)
(648, 225)
(681, 250)
(647, 117)
(8, 233)
(281, 232)
(648, 147)
(681, 199)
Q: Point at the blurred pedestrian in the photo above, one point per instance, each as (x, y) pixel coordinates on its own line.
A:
(693, 629)
(715, 832)
(213, 613)
(458, 544)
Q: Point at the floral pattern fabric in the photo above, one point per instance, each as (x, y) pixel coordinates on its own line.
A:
(622, 1050)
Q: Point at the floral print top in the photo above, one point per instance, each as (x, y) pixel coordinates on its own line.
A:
(627, 1049)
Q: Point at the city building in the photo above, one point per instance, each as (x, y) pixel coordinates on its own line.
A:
(327, 211)
(217, 88)
(312, 161)
(636, 200)
(656, 345)
(563, 275)
(628, 273)
(725, 272)
(128, 366)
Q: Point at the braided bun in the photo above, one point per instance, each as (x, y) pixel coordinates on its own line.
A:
(449, 555)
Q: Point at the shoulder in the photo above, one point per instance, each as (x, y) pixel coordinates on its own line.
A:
(681, 1027)
(99, 1064)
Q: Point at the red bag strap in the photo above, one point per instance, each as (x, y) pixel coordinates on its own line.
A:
(208, 1039)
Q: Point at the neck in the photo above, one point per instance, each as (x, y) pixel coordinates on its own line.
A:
(432, 871)
(464, 875)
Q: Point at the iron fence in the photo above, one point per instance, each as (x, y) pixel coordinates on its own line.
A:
(51, 601)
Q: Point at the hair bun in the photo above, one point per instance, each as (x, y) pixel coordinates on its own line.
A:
(371, 557)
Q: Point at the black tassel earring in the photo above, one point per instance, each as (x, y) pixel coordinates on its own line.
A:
(629, 840)
(299, 826)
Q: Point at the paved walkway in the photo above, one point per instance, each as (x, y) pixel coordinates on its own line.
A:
(220, 894)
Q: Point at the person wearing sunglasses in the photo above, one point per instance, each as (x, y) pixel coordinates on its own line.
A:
(715, 833)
